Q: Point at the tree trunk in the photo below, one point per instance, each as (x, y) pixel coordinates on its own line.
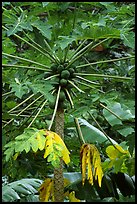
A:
(58, 172)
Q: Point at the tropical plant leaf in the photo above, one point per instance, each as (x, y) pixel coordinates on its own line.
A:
(117, 157)
(31, 138)
(90, 159)
(46, 190)
(17, 189)
(119, 111)
(93, 134)
(55, 149)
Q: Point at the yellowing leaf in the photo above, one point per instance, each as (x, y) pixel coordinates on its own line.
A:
(90, 159)
(48, 146)
(72, 197)
(55, 144)
(16, 155)
(115, 152)
(46, 190)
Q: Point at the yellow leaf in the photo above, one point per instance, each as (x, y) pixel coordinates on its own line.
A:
(90, 157)
(83, 153)
(16, 155)
(48, 146)
(115, 152)
(46, 190)
(41, 141)
(72, 197)
(57, 140)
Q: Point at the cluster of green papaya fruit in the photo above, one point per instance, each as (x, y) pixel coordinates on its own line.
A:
(65, 74)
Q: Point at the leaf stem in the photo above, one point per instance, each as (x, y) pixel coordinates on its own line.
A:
(75, 86)
(105, 61)
(70, 99)
(104, 76)
(21, 103)
(89, 86)
(26, 67)
(52, 56)
(55, 109)
(24, 59)
(37, 113)
(85, 50)
(79, 131)
(111, 111)
(48, 56)
(50, 77)
(20, 112)
(91, 82)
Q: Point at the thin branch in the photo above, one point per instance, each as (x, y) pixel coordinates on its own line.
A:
(24, 59)
(75, 86)
(70, 99)
(104, 61)
(37, 113)
(55, 109)
(26, 67)
(21, 103)
(101, 129)
(79, 130)
(48, 56)
(91, 82)
(104, 76)
(111, 111)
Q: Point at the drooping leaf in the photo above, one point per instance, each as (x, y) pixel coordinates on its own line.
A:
(55, 149)
(46, 190)
(90, 159)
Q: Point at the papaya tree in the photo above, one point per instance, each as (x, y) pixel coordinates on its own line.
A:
(57, 58)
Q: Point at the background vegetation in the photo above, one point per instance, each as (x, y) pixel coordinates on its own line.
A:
(104, 108)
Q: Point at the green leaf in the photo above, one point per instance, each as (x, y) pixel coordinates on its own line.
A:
(20, 24)
(126, 131)
(91, 134)
(128, 39)
(65, 41)
(44, 28)
(119, 111)
(44, 88)
(19, 89)
(16, 190)
(31, 138)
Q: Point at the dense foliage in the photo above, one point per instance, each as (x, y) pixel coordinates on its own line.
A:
(78, 56)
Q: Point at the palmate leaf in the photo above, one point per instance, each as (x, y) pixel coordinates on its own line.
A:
(35, 139)
(17, 189)
(55, 149)
(31, 138)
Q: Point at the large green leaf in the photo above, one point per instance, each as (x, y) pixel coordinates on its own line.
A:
(16, 190)
(31, 138)
(92, 134)
(116, 108)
